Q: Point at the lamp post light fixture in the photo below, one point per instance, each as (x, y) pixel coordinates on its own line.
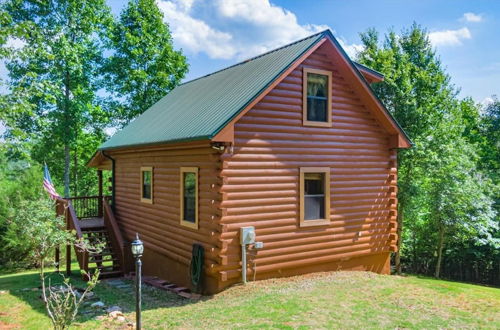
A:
(137, 250)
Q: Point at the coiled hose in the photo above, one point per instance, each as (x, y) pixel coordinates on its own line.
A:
(196, 267)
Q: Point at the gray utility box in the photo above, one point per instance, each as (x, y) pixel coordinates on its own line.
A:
(247, 235)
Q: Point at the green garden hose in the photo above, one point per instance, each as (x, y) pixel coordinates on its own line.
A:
(196, 267)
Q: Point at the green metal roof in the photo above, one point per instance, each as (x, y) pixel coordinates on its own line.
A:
(200, 108)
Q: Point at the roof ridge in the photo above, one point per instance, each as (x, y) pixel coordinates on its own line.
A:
(255, 57)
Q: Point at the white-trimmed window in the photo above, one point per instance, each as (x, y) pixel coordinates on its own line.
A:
(189, 197)
(147, 185)
(317, 99)
(314, 196)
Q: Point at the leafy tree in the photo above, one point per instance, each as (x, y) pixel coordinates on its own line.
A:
(54, 76)
(490, 129)
(20, 180)
(416, 91)
(39, 232)
(459, 205)
(442, 195)
(144, 66)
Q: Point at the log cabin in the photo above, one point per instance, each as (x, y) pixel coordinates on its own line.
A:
(280, 165)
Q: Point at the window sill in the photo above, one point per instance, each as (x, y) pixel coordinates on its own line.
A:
(316, 123)
(312, 223)
(147, 201)
(189, 224)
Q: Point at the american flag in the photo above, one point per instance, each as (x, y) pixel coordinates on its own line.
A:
(47, 183)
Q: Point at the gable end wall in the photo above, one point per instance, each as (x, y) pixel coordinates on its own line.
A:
(260, 183)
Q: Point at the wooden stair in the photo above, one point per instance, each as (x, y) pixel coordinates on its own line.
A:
(106, 260)
(98, 226)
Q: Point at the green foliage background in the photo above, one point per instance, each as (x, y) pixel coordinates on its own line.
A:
(448, 181)
(81, 73)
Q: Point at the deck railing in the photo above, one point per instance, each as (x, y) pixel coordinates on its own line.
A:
(87, 206)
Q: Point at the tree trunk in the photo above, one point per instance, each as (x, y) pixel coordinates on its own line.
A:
(414, 262)
(440, 251)
(75, 172)
(66, 137)
(397, 258)
(66, 169)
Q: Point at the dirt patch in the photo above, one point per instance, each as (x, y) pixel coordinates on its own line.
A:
(4, 325)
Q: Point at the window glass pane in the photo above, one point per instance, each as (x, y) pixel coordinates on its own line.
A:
(317, 97)
(317, 85)
(316, 109)
(314, 183)
(190, 197)
(314, 196)
(146, 184)
(314, 207)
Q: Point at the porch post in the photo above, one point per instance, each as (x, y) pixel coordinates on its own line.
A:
(68, 249)
(68, 260)
(99, 202)
(57, 259)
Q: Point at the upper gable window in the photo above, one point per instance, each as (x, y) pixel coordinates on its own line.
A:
(317, 100)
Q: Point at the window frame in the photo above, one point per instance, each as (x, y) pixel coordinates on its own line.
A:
(184, 222)
(315, 222)
(306, 122)
(146, 169)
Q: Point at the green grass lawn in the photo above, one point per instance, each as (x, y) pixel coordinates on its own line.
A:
(324, 300)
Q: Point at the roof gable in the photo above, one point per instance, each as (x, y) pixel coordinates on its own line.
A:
(200, 108)
(207, 107)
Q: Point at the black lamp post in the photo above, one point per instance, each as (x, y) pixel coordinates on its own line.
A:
(137, 250)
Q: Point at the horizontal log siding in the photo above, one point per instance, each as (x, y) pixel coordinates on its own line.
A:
(261, 179)
(158, 223)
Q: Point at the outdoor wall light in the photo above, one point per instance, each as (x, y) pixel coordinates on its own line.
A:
(137, 248)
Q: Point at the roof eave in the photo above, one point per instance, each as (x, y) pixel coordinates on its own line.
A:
(403, 143)
(372, 75)
(151, 144)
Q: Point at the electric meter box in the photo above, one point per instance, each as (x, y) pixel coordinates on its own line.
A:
(247, 235)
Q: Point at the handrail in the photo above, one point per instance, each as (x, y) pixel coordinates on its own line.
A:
(114, 233)
(74, 222)
(65, 208)
(81, 197)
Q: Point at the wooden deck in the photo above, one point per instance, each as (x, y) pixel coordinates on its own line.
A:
(87, 223)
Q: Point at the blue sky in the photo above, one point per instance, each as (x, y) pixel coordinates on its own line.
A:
(469, 45)
(217, 33)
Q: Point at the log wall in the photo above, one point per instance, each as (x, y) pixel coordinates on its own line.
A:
(256, 183)
(168, 245)
(261, 183)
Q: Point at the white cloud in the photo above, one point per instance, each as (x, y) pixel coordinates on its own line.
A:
(110, 131)
(449, 37)
(351, 49)
(234, 29)
(195, 35)
(15, 43)
(472, 18)
(487, 101)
